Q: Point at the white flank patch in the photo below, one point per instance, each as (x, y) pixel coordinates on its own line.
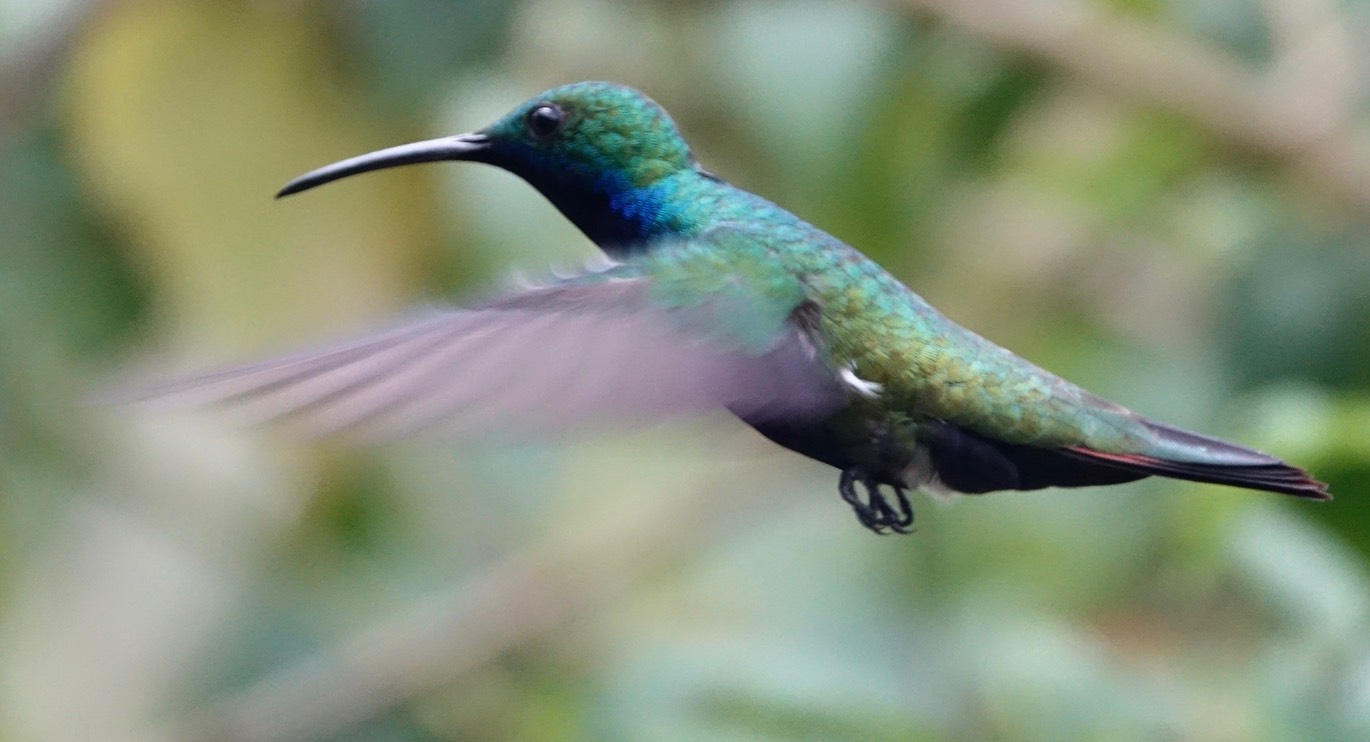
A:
(862, 387)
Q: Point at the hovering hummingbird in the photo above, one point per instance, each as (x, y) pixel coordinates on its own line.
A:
(714, 297)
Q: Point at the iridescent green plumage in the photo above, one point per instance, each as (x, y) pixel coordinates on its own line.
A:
(722, 298)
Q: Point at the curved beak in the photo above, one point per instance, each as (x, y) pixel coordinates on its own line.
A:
(459, 147)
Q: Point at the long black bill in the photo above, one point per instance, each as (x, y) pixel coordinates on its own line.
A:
(459, 147)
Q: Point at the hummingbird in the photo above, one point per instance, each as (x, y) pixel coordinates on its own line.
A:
(714, 297)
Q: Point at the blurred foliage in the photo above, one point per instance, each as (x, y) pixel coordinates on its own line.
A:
(162, 572)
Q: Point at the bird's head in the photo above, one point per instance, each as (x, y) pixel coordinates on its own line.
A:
(596, 150)
(594, 129)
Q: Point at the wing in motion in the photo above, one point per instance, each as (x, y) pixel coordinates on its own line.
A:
(628, 344)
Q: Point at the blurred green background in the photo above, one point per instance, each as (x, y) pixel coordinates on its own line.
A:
(1164, 200)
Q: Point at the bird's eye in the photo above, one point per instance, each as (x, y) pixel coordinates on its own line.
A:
(545, 120)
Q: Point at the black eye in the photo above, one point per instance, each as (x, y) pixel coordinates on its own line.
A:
(545, 120)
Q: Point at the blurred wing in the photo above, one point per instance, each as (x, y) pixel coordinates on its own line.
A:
(591, 349)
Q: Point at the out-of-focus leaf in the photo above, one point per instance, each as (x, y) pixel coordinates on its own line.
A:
(185, 118)
(1299, 310)
(66, 300)
(411, 49)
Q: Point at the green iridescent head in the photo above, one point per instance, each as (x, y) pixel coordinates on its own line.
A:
(596, 150)
(597, 127)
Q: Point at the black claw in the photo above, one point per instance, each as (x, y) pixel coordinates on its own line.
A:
(875, 511)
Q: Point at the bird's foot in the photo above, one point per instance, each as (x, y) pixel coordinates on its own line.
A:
(875, 511)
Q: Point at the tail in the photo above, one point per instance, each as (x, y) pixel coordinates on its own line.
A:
(1180, 454)
(971, 463)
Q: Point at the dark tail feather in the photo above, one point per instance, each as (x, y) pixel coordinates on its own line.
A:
(1259, 472)
(971, 463)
